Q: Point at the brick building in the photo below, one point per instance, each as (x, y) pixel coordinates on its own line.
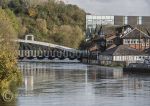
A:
(137, 39)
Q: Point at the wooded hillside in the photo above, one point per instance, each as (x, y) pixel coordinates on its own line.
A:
(49, 20)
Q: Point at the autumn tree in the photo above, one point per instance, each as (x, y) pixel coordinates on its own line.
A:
(42, 25)
(49, 20)
(8, 50)
(68, 36)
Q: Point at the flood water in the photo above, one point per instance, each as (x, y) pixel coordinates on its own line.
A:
(62, 84)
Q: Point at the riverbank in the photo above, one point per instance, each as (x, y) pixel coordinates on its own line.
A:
(97, 62)
(9, 85)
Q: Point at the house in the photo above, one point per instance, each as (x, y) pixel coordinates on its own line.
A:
(110, 40)
(113, 40)
(121, 54)
(136, 39)
(103, 36)
(98, 43)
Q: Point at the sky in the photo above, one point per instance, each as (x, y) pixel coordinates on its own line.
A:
(114, 7)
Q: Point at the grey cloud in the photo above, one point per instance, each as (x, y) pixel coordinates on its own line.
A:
(114, 7)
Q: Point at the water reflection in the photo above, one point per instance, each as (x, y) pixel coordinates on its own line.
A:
(61, 84)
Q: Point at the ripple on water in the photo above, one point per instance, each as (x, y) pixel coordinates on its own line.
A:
(81, 85)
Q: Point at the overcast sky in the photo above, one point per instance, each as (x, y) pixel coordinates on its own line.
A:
(114, 7)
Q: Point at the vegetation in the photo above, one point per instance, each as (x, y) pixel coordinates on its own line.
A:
(49, 20)
(9, 74)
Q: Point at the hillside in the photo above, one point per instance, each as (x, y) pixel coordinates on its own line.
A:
(49, 21)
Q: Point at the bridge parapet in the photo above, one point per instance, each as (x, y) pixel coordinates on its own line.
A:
(29, 39)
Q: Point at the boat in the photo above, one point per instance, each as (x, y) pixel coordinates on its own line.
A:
(138, 67)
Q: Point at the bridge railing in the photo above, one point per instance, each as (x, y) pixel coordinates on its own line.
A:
(44, 44)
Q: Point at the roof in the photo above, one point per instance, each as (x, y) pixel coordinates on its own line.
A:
(112, 46)
(136, 34)
(147, 51)
(111, 37)
(122, 50)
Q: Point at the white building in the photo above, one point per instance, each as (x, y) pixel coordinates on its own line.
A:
(122, 54)
(93, 20)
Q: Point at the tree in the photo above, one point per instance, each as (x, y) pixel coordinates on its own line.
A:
(67, 35)
(32, 12)
(42, 25)
(4, 3)
(44, 17)
(8, 51)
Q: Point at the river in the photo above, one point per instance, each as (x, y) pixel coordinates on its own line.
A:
(75, 84)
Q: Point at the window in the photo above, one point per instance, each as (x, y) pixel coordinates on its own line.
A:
(99, 17)
(139, 20)
(107, 17)
(134, 42)
(89, 20)
(89, 26)
(112, 17)
(125, 41)
(89, 17)
(94, 17)
(128, 41)
(94, 21)
(99, 22)
(125, 20)
(103, 17)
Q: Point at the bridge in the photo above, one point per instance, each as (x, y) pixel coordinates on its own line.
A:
(31, 49)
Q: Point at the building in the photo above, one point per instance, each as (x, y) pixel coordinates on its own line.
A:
(121, 55)
(137, 39)
(110, 40)
(98, 43)
(101, 38)
(93, 20)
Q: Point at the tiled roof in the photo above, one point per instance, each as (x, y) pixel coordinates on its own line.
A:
(122, 50)
(147, 51)
(111, 37)
(112, 46)
(136, 34)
